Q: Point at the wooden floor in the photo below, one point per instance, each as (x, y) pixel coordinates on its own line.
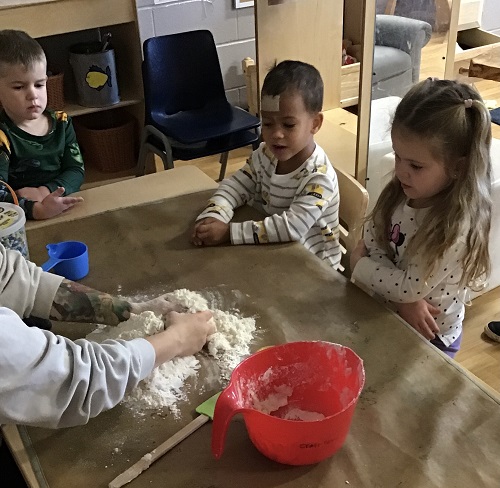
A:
(478, 354)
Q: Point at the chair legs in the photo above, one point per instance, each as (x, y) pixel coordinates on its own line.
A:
(152, 140)
(224, 157)
(223, 164)
(161, 147)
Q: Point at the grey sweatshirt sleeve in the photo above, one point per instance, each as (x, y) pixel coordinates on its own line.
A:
(50, 381)
(24, 287)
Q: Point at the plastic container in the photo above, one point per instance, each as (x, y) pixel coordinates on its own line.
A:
(314, 387)
(69, 259)
(95, 74)
(12, 231)
(12, 225)
(108, 141)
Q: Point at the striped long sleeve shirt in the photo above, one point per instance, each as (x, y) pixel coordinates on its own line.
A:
(301, 206)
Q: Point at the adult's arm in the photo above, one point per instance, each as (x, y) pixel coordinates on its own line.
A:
(28, 290)
(24, 287)
(51, 381)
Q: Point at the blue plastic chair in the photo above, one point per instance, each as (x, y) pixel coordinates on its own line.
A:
(187, 112)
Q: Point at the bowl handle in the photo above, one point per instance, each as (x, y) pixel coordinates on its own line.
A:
(48, 265)
(225, 409)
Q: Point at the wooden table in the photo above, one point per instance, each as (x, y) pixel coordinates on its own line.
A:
(421, 420)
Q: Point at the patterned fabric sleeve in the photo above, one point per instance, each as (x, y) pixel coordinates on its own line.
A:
(72, 170)
(293, 224)
(5, 195)
(232, 193)
(408, 285)
(376, 253)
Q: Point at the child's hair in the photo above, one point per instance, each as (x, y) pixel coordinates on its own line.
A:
(17, 47)
(456, 125)
(299, 76)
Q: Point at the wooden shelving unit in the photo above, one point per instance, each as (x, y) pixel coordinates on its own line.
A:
(58, 24)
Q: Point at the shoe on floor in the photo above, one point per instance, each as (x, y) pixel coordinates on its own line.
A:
(492, 330)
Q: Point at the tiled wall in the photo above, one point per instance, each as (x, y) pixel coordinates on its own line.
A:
(233, 31)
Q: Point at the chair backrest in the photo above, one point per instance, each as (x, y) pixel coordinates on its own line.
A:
(181, 72)
(352, 211)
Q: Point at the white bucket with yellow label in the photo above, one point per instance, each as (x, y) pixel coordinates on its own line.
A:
(12, 222)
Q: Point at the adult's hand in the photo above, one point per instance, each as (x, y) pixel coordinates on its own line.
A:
(159, 305)
(186, 335)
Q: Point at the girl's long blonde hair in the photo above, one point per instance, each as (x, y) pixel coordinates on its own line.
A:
(453, 118)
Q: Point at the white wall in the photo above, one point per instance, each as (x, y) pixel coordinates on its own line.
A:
(491, 16)
(233, 31)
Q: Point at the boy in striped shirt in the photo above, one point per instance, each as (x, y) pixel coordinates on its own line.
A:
(289, 177)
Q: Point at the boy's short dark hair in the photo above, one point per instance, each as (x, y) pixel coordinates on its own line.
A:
(296, 75)
(17, 47)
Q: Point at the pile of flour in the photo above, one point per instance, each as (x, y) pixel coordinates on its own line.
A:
(165, 386)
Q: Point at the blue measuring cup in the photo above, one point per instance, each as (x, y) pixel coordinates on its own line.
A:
(69, 259)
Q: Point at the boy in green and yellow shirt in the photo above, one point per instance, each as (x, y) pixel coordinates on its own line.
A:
(39, 154)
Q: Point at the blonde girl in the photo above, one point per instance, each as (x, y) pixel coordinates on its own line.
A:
(426, 241)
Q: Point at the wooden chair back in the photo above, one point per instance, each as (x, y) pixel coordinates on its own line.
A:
(352, 211)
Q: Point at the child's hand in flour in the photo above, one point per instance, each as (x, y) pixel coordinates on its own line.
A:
(185, 335)
(159, 306)
(210, 232)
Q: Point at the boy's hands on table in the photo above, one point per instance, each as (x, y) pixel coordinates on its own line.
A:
(210, 232)
(54, 204)
(420, 315)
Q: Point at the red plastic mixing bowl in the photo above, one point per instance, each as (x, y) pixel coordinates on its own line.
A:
(297, 400)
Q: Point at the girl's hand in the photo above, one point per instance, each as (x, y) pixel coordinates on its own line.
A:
(360, 251)
(54, 204)
(210, 232)
(420, 315)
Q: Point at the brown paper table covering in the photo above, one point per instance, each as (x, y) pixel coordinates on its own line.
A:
(421, 420)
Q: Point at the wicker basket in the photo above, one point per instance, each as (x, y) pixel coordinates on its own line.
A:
(55, 91)
(108, 140)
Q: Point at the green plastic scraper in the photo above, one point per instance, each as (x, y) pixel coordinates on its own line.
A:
(206, 411)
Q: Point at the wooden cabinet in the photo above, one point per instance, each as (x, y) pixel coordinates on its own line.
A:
(470, 14)
(58, 24)
(473, 43)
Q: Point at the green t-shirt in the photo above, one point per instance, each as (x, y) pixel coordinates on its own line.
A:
(51, 160)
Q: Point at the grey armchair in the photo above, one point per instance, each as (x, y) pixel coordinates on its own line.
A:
(397, 54)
